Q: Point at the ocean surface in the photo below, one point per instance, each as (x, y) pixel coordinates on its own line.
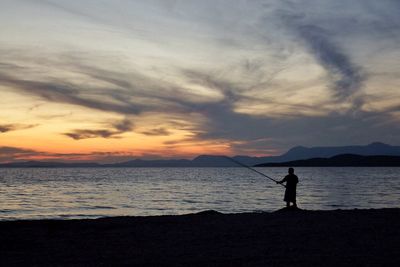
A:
(68, 193)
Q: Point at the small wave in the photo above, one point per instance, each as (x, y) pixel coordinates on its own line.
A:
(6, 211)
(99, 207)
(70, 216)
(190, 201)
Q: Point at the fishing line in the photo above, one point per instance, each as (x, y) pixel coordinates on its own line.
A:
(254, 170)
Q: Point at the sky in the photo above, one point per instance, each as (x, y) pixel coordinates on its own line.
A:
(112, 80)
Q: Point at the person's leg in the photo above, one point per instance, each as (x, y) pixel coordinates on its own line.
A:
(294, 204)
(287, 204)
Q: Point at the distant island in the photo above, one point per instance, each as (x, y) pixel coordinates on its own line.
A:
(346, 160)
(297, 153)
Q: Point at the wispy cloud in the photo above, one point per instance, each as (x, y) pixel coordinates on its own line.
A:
(156, 132)
(12, 154)
(8, 154)
(347, 77)
(115, 131)
(63, 92)
(4, 128)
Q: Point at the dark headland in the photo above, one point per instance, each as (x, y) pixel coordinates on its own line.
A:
(346, 160)
(282, 238)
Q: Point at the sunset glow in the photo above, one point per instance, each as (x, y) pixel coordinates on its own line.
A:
(109, 81)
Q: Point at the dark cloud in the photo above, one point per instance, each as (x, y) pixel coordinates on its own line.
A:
(115, 130)
(5, 150)
(128, 94)
(270, 134)
(7, 127)
(63, 92)
(157, 132)
(8, 154)
(4, 128)
(86, 134)
(340, 129)
(14, 154)
(346, 76)
(124, 126)
(337, 32)
(248, 134)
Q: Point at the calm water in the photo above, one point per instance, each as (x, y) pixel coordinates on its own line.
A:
(97, 192)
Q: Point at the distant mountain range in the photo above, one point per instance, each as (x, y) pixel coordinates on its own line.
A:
(301, 152)
(296, 153)
(345, 160)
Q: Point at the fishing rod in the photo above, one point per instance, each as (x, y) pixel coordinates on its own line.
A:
(254, 170)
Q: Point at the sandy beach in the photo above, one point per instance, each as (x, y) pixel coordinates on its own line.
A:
(282, 238)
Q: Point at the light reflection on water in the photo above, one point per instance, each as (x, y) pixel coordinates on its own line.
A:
(97, 192)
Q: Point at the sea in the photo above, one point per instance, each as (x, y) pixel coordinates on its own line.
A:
(75, 193)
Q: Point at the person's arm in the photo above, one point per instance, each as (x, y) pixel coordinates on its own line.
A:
(282, 181)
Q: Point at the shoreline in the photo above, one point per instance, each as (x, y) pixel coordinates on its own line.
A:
(64, 218)
(366, 237)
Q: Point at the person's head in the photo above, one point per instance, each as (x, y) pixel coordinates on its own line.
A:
(290, 170)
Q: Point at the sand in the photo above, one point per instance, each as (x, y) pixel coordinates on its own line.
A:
(285, 238)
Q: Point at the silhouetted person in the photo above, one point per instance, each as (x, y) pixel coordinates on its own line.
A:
(290, 193)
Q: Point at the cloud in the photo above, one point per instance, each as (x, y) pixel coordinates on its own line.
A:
(4, 150)
(316, 34)
(108, 90)
(14, 154)
(18, 154)
(63, 92)
(8, 154)
(237, 94)
(345, 75)
(4, 128)
(115, 131)
(85, 134)
(7, 127)
(156, 132)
